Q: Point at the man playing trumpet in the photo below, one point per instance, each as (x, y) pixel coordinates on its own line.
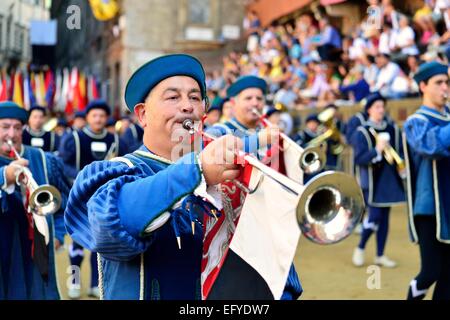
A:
(27, 242)
(380, 180)
(143, 213)
(428, 143)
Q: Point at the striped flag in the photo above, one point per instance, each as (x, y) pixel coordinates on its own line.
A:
(17, 96)
(254, 240)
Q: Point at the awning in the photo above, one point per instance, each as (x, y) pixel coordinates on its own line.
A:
(270, 10)
(328, 2)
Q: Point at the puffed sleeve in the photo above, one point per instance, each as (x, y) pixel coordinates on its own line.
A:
(111, 204)
(364, 155)
(426, 139)
(57, 178)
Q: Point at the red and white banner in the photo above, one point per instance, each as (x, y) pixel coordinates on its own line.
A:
(261, 228)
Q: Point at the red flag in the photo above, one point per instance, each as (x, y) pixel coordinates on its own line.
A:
(4, 88)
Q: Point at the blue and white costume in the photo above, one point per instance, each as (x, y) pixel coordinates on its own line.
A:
(20, 277)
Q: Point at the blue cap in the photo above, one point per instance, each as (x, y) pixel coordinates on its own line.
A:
(79, 114)
(40, 108)
(62, 122)
(11, 110)
(153, 72)
(98, 104)
(246, 82)
(111, 122)
(312, 117)
(271, 111)
(430, 69)
(370, 100)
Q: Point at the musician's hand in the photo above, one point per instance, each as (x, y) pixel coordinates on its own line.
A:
(219, 160)
(57, 244)
(12, 169)
(269, 135)
(381, 145)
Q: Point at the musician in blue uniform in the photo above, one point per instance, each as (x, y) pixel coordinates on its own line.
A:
(143, 212)
(213, 114)
(380, 181)
(79, 120)
(427, 133)
(248, 94)
(138, 211)
(133, 136)
(34, 135)
(78, 149)
(311, 130)
(27, 250)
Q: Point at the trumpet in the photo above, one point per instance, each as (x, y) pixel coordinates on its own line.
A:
(45, 199)
(312, 159)
(330, 205)
(391, 156)
(326, 117)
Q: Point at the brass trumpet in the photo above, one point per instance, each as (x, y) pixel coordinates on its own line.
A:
(330, 205)
(45, 199)
(312, 159)
(391, 156)
(326, 117)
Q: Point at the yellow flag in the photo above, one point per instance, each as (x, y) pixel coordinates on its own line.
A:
(17, 95)
(104, 9)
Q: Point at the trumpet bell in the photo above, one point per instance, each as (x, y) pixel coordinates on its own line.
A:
(330, 207)
(51, 124)
(313, 159)
(45, 200)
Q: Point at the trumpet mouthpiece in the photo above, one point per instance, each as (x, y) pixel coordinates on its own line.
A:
(188, 124)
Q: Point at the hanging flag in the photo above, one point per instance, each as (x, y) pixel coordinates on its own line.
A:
(104, 9)
(18, 95)
(92, 88)
(81, 92)
(255, 240)
(4, 87)
(57, 95)
(26, 93)
(49, 89)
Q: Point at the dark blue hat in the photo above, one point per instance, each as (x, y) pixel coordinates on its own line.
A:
(428, 70)
(217, 105)
(214, 107)
(98, 104)
(370, 100)
(271, 111)
(111, 122)
(40, 108)
(79, 114)
(153, 72)
(246, 82)
(11, 110)
(312, 117)
(62, 122)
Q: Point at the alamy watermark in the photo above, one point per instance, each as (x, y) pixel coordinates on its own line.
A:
(73, 21)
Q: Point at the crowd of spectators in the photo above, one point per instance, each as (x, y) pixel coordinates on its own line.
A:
(309, 62)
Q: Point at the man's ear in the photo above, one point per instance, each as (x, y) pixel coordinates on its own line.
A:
(139, 111)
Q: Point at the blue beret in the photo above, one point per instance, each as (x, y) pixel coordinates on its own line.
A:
(111, 122)
(40, 108)
(428, 70)
(79, 114)
(271, 111)
(98, 104)
(153, 72)
(214, 107)
(246, 82)
(370, 100)
(11, 110)
(62, 122)
(312, 117)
